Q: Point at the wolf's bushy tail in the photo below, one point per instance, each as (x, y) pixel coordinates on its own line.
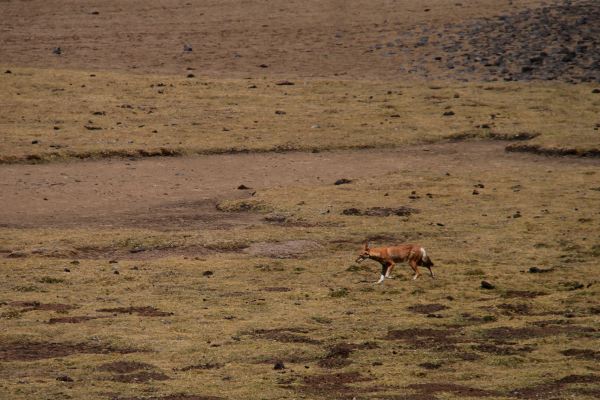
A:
(425, 260)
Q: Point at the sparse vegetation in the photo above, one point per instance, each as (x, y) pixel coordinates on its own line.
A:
(222, 265)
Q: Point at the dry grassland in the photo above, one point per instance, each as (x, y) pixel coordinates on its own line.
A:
(143, 256)
(220, 308)
(58, 114)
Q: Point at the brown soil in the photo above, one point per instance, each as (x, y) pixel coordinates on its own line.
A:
(332, 385)
(71, 320)
(29, 351)
(508, 333)
(428, 365)
(121, 193)
(402, 211)
(338, 356)
(554, 388)
(583, 354)
(288, 249)
(202, 366)
(277, 289)
(554, 151)
(36, 305)
(441, 339)
(180, 396)
(277, 38)
(284, 335)
(502, 350)
(143, 311)
(426, 308)
(123, 367)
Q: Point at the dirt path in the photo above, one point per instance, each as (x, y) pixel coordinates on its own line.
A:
(164, 193)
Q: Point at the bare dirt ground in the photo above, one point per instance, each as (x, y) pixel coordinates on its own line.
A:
(228, 38)
(171, 193)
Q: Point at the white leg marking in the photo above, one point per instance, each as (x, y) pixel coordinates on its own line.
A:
(381, 279)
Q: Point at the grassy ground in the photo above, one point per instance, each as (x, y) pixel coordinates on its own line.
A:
(224, 317)
(58, 114)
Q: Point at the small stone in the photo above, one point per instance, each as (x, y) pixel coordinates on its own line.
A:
(487, 285)
(448, 113)
(67, 270)
(342, 181)
(243, 187)
(191, 76)
(207, 273)
(285, 83)
(64, 378)
(279, 365)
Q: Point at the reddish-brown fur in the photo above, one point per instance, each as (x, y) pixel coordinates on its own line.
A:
(414, 254)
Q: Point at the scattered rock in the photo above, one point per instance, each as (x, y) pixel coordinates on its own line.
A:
(279, 365)
(342, 181)
(285, 83)
(207, 273)
(64, 378)
(448, 113)
(487, 285)
(243, 187)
